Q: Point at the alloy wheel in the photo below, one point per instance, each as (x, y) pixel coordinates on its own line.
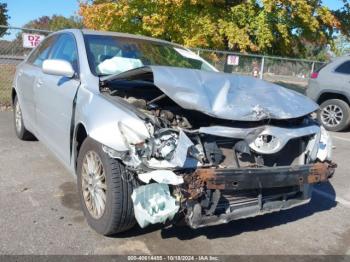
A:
(94, 184)
(332, 115)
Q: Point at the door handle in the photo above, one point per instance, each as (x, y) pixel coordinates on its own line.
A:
(39, 83)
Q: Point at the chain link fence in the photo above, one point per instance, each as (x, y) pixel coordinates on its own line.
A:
(291, 73)
(12, 53)
(288, 72)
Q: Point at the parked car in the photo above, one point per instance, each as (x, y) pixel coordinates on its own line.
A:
(329, 86)
(155, 134)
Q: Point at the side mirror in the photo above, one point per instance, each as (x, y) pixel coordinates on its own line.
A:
(58, 67)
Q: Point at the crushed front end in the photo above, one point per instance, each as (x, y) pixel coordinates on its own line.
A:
(210, 170)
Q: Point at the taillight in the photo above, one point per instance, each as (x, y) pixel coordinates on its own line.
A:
(314, 75)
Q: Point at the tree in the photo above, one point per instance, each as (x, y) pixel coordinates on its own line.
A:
(42, 23)
(55, 23)
(61, 22)
(3, 17)
(276, 27)
(343, 15)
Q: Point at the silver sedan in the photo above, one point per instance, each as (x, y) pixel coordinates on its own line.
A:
(155, 134)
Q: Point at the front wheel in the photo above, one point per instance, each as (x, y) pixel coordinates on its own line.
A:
(105, 189)
(334, 114)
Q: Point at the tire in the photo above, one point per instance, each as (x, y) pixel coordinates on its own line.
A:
(342, 111)
(21, 132)
(118, 213)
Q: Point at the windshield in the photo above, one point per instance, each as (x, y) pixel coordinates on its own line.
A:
(113, 55)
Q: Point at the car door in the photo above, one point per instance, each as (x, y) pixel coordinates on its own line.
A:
(27, 77)
(54, 97)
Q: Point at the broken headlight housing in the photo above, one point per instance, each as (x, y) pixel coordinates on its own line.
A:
(133, 135)
(325, 146)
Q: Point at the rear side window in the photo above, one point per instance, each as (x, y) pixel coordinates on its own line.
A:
(344, 68)
(42, 52)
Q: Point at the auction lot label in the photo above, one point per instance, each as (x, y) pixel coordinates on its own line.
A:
(233, 60)
(31, 40)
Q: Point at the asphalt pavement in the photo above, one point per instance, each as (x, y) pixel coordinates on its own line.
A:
(40, 214)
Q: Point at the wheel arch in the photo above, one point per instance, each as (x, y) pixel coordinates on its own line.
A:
(327, 95)
(13, 95)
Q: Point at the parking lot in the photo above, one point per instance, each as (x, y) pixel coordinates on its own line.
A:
(40, 214)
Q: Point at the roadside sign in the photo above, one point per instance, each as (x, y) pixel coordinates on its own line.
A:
(31, 40)
(233, 60)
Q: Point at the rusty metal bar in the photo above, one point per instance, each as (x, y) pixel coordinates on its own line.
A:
(251, 178)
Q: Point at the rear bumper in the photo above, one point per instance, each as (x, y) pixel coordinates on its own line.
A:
(276, 188)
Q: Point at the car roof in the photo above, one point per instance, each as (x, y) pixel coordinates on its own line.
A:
(126, 35)
(118, 34)
(340, 58)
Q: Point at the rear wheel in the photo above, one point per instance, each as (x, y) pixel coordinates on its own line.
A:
(104, 190)
(21, 132)
(334, 114)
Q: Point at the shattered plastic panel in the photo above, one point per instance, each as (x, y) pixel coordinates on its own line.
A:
(161, 176)
(180, 156)
(325, 146)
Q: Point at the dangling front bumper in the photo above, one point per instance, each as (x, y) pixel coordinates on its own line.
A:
(248, 192)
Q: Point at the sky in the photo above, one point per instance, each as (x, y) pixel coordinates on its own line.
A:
(22, 11)
(333, 4)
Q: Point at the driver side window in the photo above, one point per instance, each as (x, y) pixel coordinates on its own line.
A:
(65, 49)
(42, 52)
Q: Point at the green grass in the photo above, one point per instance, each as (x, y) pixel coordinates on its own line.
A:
(7, 73)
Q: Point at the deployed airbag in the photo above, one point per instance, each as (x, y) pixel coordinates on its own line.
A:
(118, 64)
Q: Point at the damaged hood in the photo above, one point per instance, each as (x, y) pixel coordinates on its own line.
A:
(222, 95)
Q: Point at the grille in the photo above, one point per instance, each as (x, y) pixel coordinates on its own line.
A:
(251, 197)
(291, 154)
